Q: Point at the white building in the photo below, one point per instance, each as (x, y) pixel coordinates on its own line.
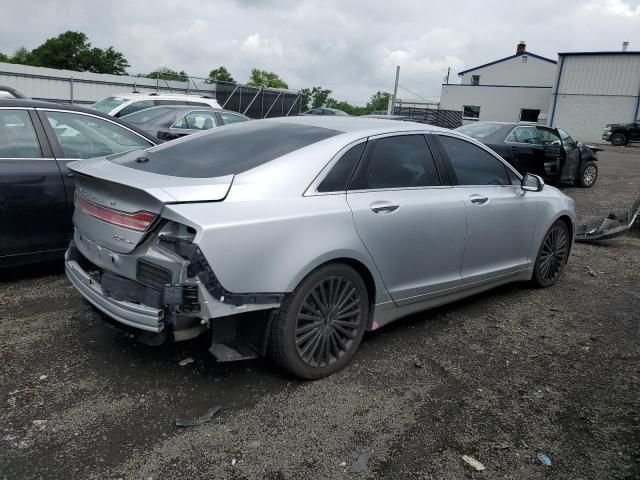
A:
(512, 89)
(593, 89)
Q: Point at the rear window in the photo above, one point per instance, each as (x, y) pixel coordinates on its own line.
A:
(230, 150)
(479, 130)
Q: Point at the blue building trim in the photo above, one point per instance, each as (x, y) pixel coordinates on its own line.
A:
(555, 95)
(508, 58)
(637, 117)
(498, 86)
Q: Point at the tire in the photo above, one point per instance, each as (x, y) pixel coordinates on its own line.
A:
(587, 174)
(552, 255)
(618, 140)
(305, 338)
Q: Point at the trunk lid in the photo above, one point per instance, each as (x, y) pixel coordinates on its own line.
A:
(115, 202)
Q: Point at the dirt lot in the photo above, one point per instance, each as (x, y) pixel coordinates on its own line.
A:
(501, 377)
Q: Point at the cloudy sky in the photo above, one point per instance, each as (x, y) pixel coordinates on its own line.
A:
(349, 46)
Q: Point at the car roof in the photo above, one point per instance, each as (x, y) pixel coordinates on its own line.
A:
(138, 95)
(351, 124)
(24, 103)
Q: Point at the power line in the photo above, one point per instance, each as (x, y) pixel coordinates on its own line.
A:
(414, 93)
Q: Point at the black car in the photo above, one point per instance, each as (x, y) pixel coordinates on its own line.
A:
(545, 151)
(174, 121)
(619, 134)
(37, 140)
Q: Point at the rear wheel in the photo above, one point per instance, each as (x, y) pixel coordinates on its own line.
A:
(618, 139)
(552, 256)
(587, 174)
(321, 323)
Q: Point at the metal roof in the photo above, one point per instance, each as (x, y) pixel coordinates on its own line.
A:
(529, 54)
(616, 52)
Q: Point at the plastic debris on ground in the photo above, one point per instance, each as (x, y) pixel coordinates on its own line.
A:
(186, 361)
(544, 459)
(360, 465)
(474, 463)
(613, 225)
(192, 422)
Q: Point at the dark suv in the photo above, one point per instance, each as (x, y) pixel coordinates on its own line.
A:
(619, 134)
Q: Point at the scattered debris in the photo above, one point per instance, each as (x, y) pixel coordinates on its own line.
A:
(418, 364)
(195, 421)
(591, 271)
(43, 377)
(343, 464)
(186, 361)
(233, 462)
(614, 225)
(39, 424)
(360, 465)
(544, 458)
(473, 462)
(539, 394)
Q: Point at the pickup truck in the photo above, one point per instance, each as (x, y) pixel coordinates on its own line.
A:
(619, 134)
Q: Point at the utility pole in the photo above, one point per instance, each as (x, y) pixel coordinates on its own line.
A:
(448, 72)
(395, 92)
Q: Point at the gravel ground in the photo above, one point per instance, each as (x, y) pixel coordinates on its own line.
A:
(501, 377)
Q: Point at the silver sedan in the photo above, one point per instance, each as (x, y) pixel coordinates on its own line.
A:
(292, 237)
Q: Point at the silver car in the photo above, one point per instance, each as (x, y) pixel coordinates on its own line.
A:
(294, 236)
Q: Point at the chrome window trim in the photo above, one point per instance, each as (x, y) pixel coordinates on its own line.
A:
(486, 149)
(26, 158)
(98, 117)
(17, 108)
(213, 116)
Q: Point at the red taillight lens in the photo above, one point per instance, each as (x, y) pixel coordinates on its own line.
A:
(139, 221)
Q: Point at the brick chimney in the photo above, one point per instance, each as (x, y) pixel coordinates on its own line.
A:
(521, 48)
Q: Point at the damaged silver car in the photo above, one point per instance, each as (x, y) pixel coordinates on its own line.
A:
(292, 237)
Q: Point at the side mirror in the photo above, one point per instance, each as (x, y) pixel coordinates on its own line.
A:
(532, 183)
(579, 144)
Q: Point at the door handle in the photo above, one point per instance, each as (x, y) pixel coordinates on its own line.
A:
(69, 175)
(384, 207)
(478, 200)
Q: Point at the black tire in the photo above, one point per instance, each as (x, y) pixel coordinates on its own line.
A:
(618, 140)
(552, 255)
(587, 174)
(305, 338)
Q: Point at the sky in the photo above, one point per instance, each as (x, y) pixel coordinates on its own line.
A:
(349, 46)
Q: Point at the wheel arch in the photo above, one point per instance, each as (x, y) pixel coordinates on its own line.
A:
(569, 223)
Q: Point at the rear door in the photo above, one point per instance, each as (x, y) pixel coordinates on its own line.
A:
(411, 222)
(500, 219)
(32, 197)
(78, 136)
(526, 151)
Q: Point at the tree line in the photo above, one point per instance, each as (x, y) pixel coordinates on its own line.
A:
(73, 51)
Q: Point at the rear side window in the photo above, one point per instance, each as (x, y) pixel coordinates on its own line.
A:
(228, 118)
(17, 136)
(226, 151)
(401, 161)
(472, 165)
(338, 178)
(196, 121)
(135, 107)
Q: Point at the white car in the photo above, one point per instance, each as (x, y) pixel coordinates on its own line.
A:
(127, 103)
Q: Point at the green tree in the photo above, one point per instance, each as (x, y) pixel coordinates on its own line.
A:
(72, 51)
(165, 73)
(262, 78)
(21, 56)
(313, 97)
(5, 58)
(379, 101)
(220, 74)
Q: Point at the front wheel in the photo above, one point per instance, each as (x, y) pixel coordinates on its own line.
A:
(552, 256)
(321, 323)
(618, 140)
(587, 174)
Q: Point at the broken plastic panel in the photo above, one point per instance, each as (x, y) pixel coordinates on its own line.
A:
(614, 225)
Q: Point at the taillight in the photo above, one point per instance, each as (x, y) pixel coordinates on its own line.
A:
(139, 221)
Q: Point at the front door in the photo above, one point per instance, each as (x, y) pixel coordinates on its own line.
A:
(32, 197)
(572, 155)
(412, 225)
(499, 225)
(555, 156)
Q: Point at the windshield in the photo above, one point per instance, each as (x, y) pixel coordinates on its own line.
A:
(108, 104)
(479, 130)
(224, 151)
(144, 116)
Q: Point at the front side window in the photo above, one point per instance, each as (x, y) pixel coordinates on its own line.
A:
(548, 137)
(567, 141)
(471, 112)
(196, 121)
(401, 161)
(85, 136)
(338, 178)
(473, 165)
(135, 107)
(17, 137)
(231, 118)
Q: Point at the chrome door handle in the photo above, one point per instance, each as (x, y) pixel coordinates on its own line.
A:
(384, 207)
(478, 200)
